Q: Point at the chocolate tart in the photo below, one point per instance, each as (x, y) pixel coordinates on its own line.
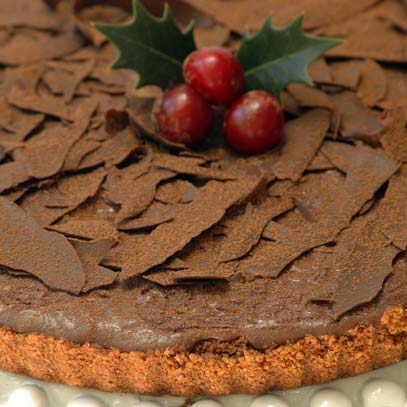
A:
(132, 266)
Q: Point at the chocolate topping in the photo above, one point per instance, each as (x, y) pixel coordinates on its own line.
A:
(244, 232)
(364, 260)
(87, 229)
(149, 245)
(303, 138)
(46, 255)
(394, 134)
(48, 205)
(346, 74)
(208, 208)
(91, 254)
(26, 47)
(141, 194)
(373, 84)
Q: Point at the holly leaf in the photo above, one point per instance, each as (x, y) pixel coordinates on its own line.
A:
(153, 47)
(274, 58)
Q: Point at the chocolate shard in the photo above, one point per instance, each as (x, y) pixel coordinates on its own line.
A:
(201, 272)
(366, 171)
(394, 134)
(368, 36)
(394, 210)
(319, 163)
(191, 166)
(319, 72)
(46, 255)
(53, 142)
(155, 215)
(117, 257)
(40, 102)
(87, 229)
(112, 151)
(178, 191)
(215, 35)
(307, 96)
(357, 120)
(91, 254)
(24, 48)
(244, 232)
(246, 13)
(47, 205)
(303, 137)
(208, 208)
(14, 14)
(119, 181)
(84, 13)
(75, 73)
(364, 260)
(141, 194)
(12, 174)
(396, 14)
(20, 124)
(373, 84)
(396, 89)
(78, 152)
(346, 74)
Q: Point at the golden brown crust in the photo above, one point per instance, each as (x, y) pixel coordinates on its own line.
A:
(212, 369)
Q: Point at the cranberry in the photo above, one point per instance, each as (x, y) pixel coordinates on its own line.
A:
(185, 116)
(216, 74)
(254, 123)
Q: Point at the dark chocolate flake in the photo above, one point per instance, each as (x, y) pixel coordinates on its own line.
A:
(41, 102)
(366, 171)
(112, 151)
(394, 134)
(141, 194)
(87, 229)
(17, 122)
(373, 84)
(178, 191)
(46, 255)
(12, 174)
(307, 96)
(191, 166)
(363, 260)
(346, 74)
(201, 272)
(47, 205)
(91, 253)
(208, 208)
(32, 46)
(303, 137)
(244, 232)
(394, 210)
(152, 217)
(357, 120)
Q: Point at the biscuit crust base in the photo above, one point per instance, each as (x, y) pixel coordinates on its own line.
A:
(213, 368)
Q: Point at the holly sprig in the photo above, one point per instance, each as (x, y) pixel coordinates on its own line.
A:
(156, 48)
(153, 47)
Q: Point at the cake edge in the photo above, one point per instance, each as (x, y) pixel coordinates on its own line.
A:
(308, 361)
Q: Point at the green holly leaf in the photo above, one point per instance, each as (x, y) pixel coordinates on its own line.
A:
(274, 58)
(153, 47)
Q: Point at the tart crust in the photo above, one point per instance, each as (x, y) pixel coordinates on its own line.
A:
(212, 369)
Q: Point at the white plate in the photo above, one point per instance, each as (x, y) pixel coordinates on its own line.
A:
(380, 388)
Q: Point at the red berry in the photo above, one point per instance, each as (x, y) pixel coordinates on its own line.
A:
(216, 74)
(185, 116)
(254, 123)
